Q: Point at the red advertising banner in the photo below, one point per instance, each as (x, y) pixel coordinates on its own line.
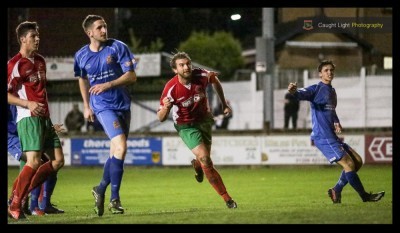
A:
(378, 149)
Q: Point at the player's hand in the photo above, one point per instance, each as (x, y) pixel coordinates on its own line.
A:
(88, 114)
(99, 88)
(292, 88)
(227, 111)
(338, 127)
(167, 101)
(58, 128)
(36, 108)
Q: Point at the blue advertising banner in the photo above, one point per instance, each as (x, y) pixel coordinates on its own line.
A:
(95, 151)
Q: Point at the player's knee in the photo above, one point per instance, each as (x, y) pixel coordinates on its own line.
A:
(206, 161)
(120, 149)
(58, 164)
(357, 165)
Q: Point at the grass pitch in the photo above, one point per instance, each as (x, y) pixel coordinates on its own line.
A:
(265, 195)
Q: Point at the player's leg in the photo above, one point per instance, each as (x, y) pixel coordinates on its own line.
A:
(199, 174)
(118, 148)
(198, 139)
(14, 150)
(52, 147)
(24, 180)
(31, 145)
(348, 162)
(325, 146)
(47, 188)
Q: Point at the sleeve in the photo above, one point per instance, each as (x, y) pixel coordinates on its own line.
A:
(167, 92)
(78, 71)
(14, 78)
(126, 58)
(305, 93)
(335, 117)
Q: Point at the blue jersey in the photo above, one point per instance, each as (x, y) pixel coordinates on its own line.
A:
(12, 123)
(323, 103)
(108, 64)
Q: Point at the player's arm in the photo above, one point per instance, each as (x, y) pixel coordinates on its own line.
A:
(213, 79)
(164, 109)
(84, 88)
(336, 123)
(127, 78)
(34, 107)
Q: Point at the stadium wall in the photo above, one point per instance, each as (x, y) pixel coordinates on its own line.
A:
(363, 102)
(233, 149)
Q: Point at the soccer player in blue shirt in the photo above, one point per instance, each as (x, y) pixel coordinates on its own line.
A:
(325, 126)
(104, 68)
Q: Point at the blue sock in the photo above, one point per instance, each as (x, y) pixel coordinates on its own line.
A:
(116, 171)
(34, 198)
(341, 182)
(355, 182)
(49, 186)
(106, 178)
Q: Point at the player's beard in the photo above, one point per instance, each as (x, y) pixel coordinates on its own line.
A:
(186, 75)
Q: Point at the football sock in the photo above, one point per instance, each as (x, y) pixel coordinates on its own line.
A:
(341, 182)
(355, 182)
(116, 171)
(105, 181)
(21, 166)
(41, 175)
(21, 189)
(216, 181)
(34, 198)
(48, 188)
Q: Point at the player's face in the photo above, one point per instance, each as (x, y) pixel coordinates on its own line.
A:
(31, 41)
(327, 74)
(183, 68)
(98, 31)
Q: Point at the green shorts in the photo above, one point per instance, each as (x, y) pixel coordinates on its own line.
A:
(196, 133)
(37, 134)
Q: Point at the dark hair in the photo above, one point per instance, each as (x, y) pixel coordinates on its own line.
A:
(23, 29)
(176, 56)
(324, 63)
(89, 20)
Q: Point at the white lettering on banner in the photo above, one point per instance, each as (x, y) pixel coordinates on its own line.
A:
(98, 143)
(298, 149)
(240, 150)
(248, 150)
(377, 146)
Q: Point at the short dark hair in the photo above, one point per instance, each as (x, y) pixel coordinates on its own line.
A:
(23, 29)
(89, 20)
(324, 63)
(176, 56)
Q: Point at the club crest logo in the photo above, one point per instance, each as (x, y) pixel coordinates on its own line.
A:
(308, 24)
(156, 157)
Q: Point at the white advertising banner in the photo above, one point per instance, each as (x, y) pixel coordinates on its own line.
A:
(298, 150)
(231, 150)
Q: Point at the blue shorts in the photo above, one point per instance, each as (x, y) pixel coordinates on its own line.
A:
(14, 146)
(115, 122)
(333, 149)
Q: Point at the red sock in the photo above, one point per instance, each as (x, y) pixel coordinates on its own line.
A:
(216, 181)
(14, 187)
(21, 188)
(41, 175)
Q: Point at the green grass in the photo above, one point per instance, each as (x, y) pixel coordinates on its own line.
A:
(265, 195)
